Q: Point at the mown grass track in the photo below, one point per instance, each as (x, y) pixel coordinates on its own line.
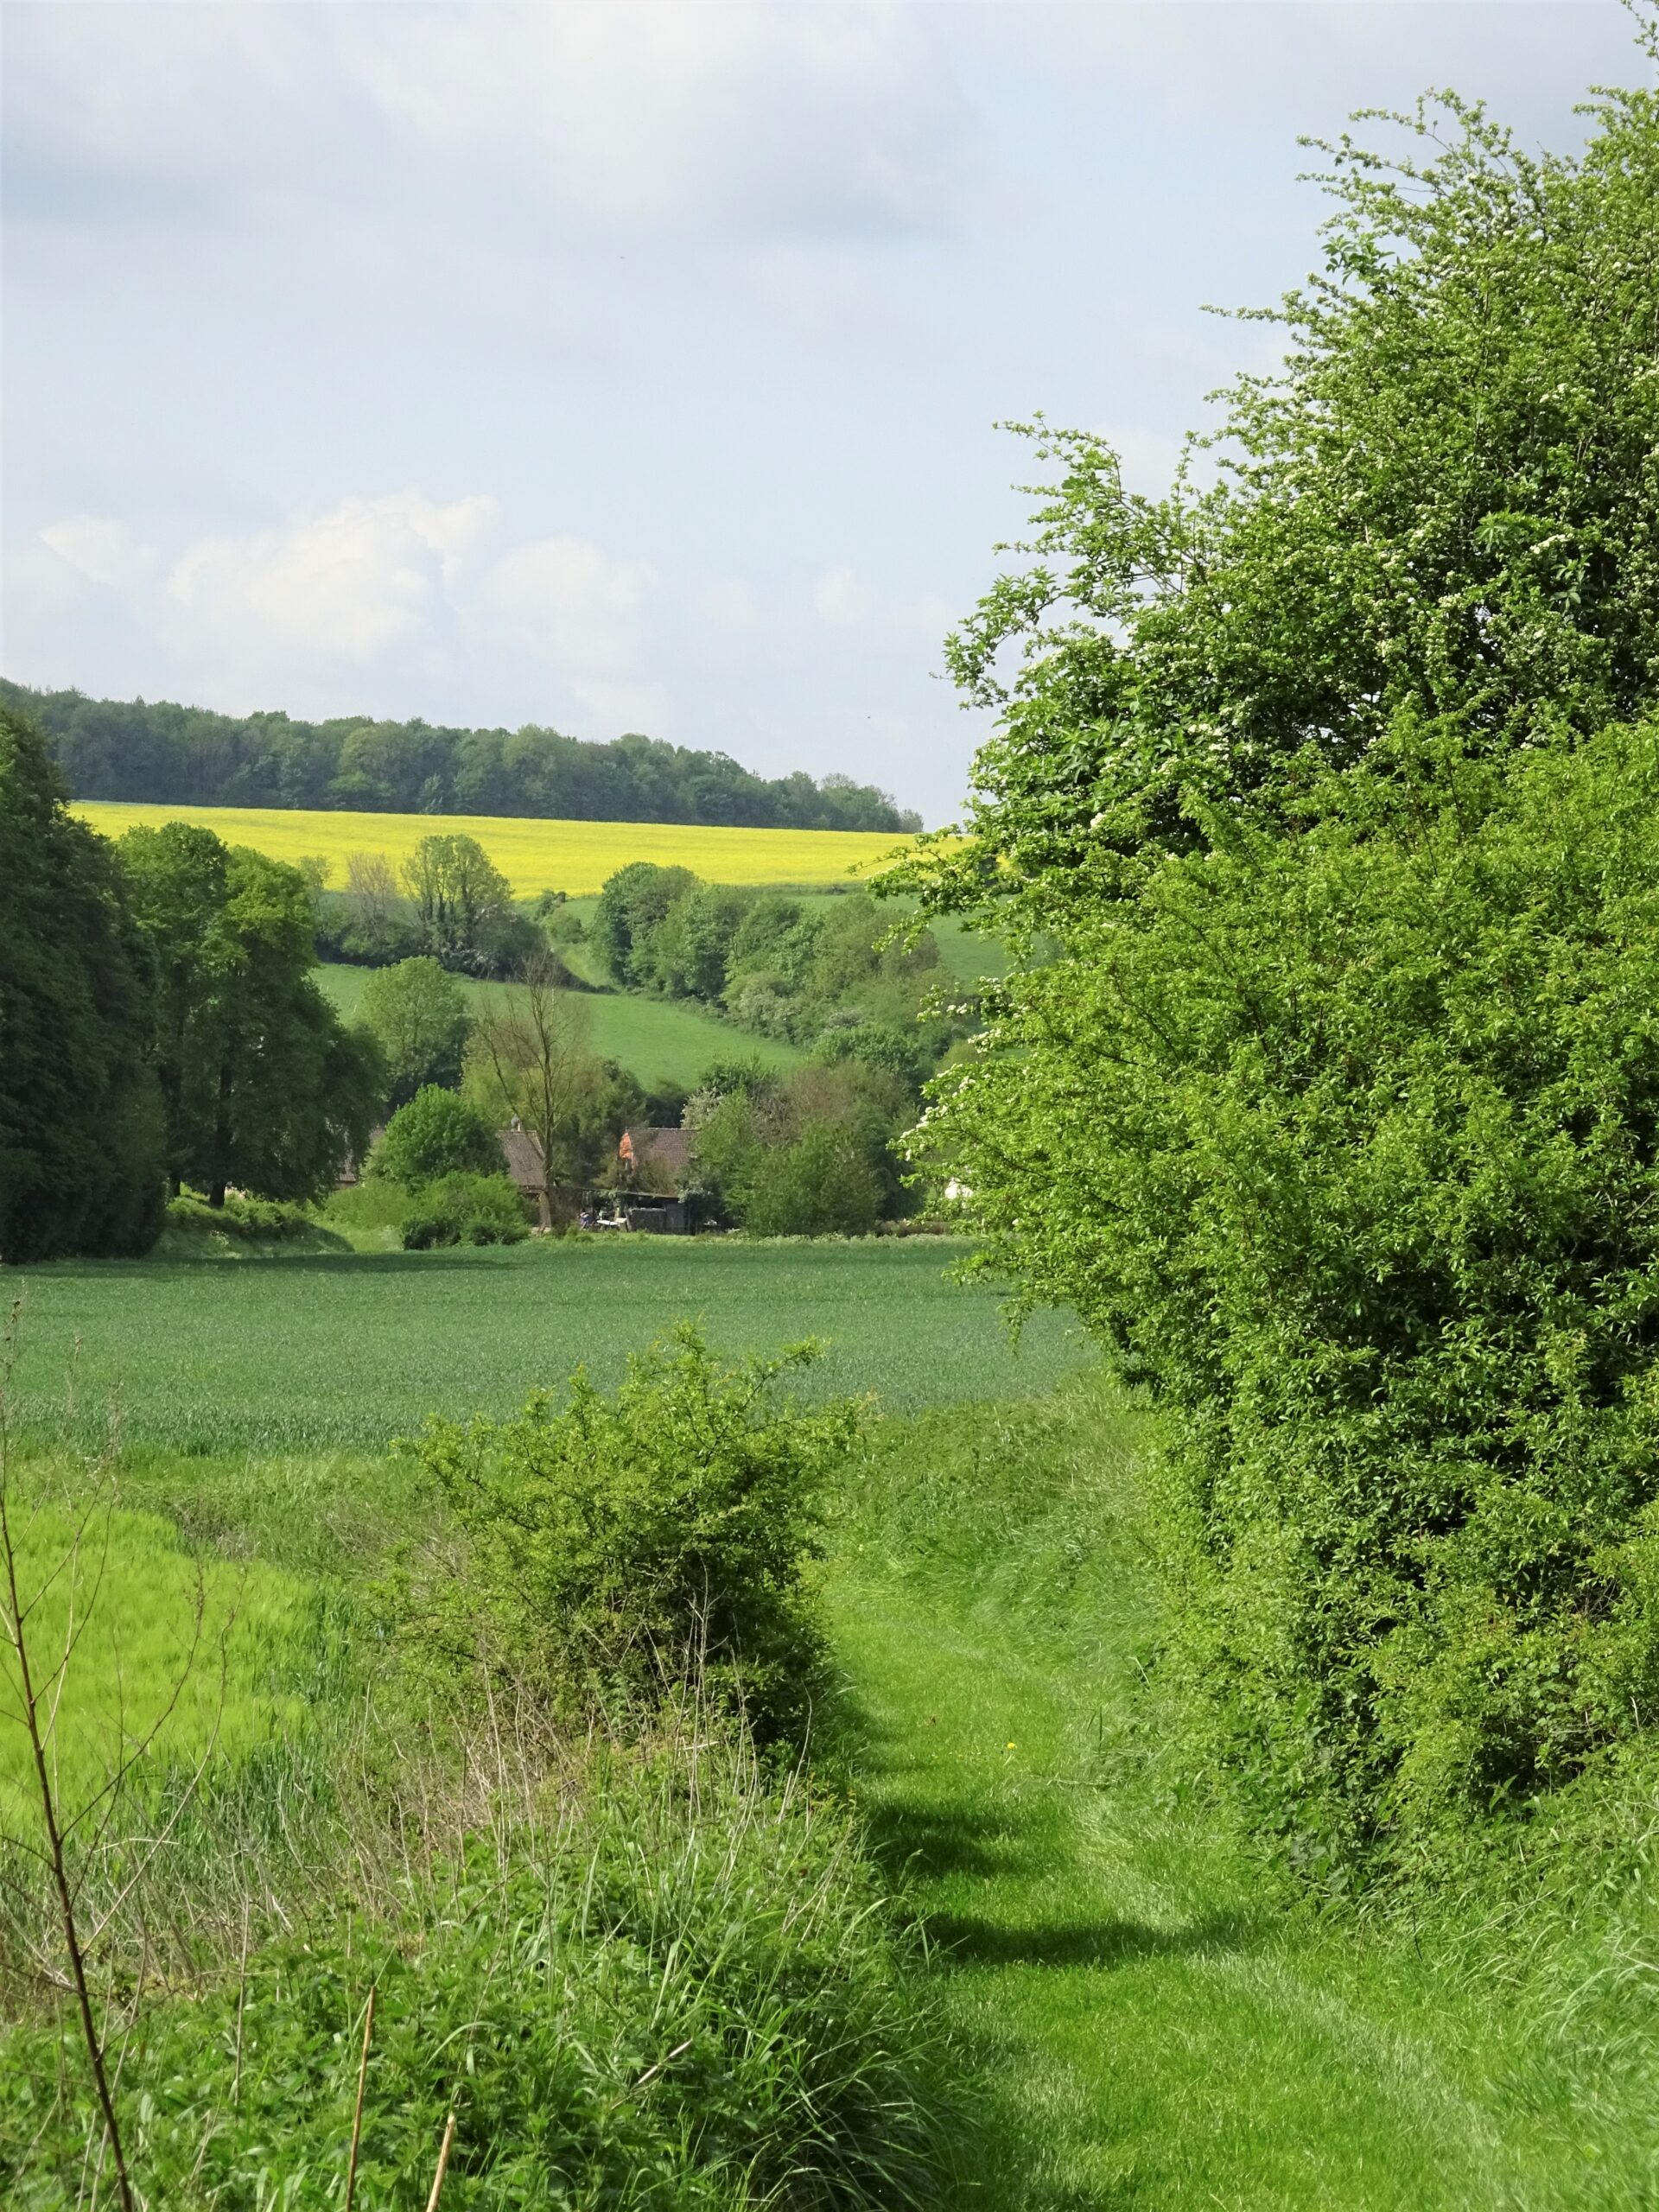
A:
(1148, 2018)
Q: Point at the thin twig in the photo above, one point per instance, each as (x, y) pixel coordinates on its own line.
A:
(357, 2113)
(443, 2163)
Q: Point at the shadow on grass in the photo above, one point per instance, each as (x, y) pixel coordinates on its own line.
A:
(963, 1940)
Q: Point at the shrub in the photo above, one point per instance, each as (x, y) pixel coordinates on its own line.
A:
(619, 1545)
(248, 1220)
(823, 1184)
(437, 1134)
(1346, 1144)
(464, 1210)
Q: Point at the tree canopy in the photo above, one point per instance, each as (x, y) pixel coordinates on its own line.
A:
(417, 1013)
(155, 750)
(1325, 1081)
(1442, 506)
(80, 1113)
(262, 1089)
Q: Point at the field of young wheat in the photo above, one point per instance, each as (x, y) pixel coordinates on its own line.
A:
(572, 856)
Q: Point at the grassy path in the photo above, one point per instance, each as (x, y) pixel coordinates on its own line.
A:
(1149, 2027)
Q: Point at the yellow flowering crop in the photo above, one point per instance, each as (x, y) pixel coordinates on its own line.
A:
(533, 855)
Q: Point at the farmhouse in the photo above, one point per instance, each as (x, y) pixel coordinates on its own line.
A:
(654, 1177)
(655, 1167)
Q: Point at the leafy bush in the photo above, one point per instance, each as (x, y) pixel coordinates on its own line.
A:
(823, 1184)
(618, 1545)
(250, 1220)
(1346, 1144)
(464, 1210)
(437, 1134)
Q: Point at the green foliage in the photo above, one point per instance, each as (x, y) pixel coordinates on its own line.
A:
(821, 1184)
(261, 1086)
(1346, 1144)
(1375, 545)
(81, 1141)
(417, 1015)
(685, 1997)
(459, 1209)
(153, 750)
(631, 905)
(621, 1546)
(261, 1221)
(1323, 1086)
(778, 965)
(463, 907)
(437, 1133)
(811, 1154)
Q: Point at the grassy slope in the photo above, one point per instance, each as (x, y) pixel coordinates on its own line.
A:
(1150, 2026)
(655, 1040)
(321, 1353)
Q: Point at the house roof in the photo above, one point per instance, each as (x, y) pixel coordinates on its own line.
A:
(661, 1156)
(523, 1157)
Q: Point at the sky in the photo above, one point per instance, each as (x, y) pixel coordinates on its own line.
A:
(628, 365)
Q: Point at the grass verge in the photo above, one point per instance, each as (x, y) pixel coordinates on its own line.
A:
(1150, 2019)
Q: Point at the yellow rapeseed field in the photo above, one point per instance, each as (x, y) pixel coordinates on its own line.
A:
(571, 856)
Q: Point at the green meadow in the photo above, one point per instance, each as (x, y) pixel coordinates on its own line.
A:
(331, 1351)
(1127, 2005)
(662, 1041)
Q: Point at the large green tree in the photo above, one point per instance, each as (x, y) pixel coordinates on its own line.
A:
(81, 1119)
(1324, 1085)
(264, 1088)
(1442, 504)
(417, 1013)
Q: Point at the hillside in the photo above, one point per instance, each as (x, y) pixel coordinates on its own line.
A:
(574, 857)
(666, 1045)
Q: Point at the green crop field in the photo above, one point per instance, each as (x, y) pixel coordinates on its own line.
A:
(659, 1040)
(346, 1352)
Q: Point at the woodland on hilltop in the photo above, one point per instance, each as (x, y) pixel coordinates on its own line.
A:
(156, 752)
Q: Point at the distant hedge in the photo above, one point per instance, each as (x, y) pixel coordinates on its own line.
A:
(165, 755)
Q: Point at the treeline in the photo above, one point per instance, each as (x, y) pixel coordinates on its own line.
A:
(163, 755)
(159, 1026)
(1322, 815)
(834, 974)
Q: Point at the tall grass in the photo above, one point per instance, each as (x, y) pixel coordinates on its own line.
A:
(219, 1648)
(642, 1974)
(641, 1968)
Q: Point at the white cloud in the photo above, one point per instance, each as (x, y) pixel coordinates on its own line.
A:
(750, 117)
(346, 585)
(102, 551)
(370, 587)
